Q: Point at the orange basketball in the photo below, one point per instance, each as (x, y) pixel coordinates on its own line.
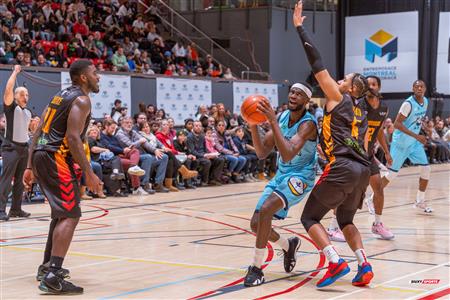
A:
(249, 112)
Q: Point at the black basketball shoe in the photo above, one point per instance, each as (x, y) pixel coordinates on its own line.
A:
(54, 283)
(290, 258)
(44, 268)
(254, 277)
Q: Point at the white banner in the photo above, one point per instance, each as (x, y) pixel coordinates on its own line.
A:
(242, 90)
(180, 98)
(443, 55)
(112, 87)
(384, 45)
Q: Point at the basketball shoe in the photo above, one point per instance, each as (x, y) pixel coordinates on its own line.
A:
(54, 283)
(382, 232)
(334, 272)
(335, 235)
(44, 269)
(254, 277)
(364, 275)
(290, 257)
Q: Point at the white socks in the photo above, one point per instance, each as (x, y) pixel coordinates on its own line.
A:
(377, 219)
(361, 256)
(331, 254)
(420, 197)
(258, 259)
(333, 224)
(283, 243)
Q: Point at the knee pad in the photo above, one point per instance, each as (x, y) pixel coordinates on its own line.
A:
(391, 175)
(425, 172)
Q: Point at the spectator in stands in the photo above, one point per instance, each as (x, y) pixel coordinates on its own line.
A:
(206, 162)
(115, 111)
(138, 23)
(52, 58)
(74, 49)
(190, 162)
(189, 124)
(150, 157)
(151, 110)
(220, 115)
(109, 163)
(224, 145)
(161, 113)
(41, 61)
(202, 111)
(228, 74)
(129, 157)
(120, 60)
(248, 152)
(80, 27)
(141, 119)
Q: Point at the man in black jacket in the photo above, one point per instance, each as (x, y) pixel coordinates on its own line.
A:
(196, 146)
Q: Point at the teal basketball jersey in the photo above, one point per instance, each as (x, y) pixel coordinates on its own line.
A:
(413, 121)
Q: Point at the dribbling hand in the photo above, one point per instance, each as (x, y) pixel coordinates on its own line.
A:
(93, 183)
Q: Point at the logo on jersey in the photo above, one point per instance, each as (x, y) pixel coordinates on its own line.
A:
(296, 186)
(380, 44)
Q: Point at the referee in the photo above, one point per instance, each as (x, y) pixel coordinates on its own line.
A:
(14, 147)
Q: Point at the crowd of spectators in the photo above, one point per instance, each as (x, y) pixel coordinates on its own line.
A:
(146, 153)
(115, 35)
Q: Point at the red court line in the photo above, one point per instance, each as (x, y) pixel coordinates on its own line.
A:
(269, 248)
(105, 212)
(436, 295)
(304, 281)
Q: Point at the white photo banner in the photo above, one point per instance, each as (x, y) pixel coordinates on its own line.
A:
(242, 90)
(112, 87)
(180, 98)
(443, 55)
(384, 45)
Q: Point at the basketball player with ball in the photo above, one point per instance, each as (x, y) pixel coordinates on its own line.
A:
(294, 133)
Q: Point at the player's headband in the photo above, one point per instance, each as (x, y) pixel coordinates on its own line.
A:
(304, 88)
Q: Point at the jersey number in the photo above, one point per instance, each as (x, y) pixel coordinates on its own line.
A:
(371, 131)
(48, 119)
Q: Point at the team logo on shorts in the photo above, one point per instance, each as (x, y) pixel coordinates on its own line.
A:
(296, 186)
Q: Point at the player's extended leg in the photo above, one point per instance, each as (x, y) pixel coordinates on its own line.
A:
(271, 205)
(378, 202)
(312, 214)
(418, 156)
(353, 238)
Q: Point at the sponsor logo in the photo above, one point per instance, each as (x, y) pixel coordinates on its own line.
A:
(206, 88)
(184, 87)
(178, 96)
(173, 87)
(118, 94)
(273, 92)
(190, 97)
(296, 185)
(162, 86)
(380, 44)
(185, 107)
(105, 94)
(111, 84)
(162, 105)
(201, 98)
(247, 90)
(173, 107)
(265, 90)
(238, 89)
(425, 281)
(98, 105)
(180, 116)
(195, 87)
(124, 84)
(167, 96)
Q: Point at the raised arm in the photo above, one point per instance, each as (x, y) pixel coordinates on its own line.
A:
(8, 96)
(288, 149)
(326, 82)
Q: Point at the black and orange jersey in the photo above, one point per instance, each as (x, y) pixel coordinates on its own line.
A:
(53, 135)
(375, 119)
(341, 132)
(359, 126)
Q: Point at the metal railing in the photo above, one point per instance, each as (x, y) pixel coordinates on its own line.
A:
(213, 43)
(264, 75)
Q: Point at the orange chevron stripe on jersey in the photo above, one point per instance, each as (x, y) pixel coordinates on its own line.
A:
(328, 140)
(65, 182)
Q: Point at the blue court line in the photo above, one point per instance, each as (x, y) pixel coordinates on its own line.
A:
(165, 284)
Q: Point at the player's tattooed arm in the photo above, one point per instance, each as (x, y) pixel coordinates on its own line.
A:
(289, 149)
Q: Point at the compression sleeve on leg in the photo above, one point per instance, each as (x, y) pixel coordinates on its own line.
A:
(312, 53)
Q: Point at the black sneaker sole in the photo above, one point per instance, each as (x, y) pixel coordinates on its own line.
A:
(51, 291)
(253, 284)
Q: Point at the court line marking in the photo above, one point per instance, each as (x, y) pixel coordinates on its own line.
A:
(389, 281)
(402, 289)
(435, 293)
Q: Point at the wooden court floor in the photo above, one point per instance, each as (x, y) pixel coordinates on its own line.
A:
(197, 244)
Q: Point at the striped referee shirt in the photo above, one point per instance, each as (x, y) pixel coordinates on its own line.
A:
(17, 121)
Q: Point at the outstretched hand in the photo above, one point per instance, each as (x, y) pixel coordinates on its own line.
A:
(298, 18)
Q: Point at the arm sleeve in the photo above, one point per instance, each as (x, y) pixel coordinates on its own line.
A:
(312, 53)
(405, 109)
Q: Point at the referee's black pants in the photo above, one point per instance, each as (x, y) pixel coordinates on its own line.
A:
(14, 165)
